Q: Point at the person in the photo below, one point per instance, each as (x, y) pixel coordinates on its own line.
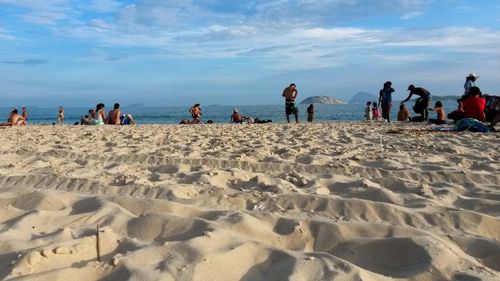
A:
(24, 114)
(376, 112)
(369, 111)
(60, 115)
(403, 114)
(196, 113)
(236, 117)
(470, 81)
(385, 100)
(458, 114)
(474, 105)
(127, 119)
(310, 113)
(14, 119)
(290, 93)
(441, 119)
(88, 119)
(114, 115)
(100, 115)
(421, 104)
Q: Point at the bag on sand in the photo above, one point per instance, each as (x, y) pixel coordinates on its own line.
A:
(471, 125)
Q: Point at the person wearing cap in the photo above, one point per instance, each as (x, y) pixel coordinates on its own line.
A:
(385, 100)
(290, 93)
(237, 117)
(470, 81)
(421, 104)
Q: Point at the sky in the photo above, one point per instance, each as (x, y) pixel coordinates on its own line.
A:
(235, 52)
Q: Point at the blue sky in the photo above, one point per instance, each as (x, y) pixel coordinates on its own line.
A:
(162, 52)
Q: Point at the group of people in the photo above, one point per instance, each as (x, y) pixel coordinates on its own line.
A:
(473, 104)
(98, 116)
(16, 119)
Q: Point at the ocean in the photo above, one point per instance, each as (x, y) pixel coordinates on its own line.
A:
(217, 113)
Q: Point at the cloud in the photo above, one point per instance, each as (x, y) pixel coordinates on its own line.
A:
(411, 15)
(26, 62)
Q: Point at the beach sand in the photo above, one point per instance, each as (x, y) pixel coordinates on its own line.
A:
(343, 201)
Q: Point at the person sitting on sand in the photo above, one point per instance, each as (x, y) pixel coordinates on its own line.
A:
(60, 115)
(421, 104)
(403, 114)
(236, 117)
(310, 113)
(127, 119)
(474, 105)
(14, 119)
(441, 119)
(114, 115)
(88, 119)
(290, 93)
(100, 115)
(458, 114)
(24, 114)
(196, 113)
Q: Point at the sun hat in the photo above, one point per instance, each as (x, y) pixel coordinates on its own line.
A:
(473, 75)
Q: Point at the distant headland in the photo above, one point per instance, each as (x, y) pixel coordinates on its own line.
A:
(322, 100)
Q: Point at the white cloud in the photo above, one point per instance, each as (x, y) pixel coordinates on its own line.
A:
(411, 15)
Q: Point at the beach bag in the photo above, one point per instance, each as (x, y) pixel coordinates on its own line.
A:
(471, 125)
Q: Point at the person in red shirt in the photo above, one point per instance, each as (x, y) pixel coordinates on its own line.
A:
(474, 105)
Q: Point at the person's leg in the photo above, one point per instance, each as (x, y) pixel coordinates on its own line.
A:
(288, 118)
(384, 110)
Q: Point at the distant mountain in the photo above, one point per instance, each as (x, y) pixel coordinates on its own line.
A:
(322, 100)
(363, 97)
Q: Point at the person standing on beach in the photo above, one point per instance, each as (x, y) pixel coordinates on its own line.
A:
(310, 113)
(290, 93)
(421, 104)
(470, 81)
(385, 100)
(60, 115)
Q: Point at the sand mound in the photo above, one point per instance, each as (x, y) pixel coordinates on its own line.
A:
(269, 202)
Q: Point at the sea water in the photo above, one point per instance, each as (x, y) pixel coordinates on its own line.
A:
(217, 113)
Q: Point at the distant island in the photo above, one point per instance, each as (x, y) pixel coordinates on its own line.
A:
(322, 100)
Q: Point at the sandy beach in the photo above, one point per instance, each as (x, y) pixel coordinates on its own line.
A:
(339, 201)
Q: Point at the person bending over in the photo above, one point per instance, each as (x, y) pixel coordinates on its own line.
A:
(421, 104)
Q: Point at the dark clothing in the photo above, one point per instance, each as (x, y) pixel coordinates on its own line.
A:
(386, 110)
(421, 103)
(291, 108)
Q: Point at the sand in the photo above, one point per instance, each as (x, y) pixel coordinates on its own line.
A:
(346, 201)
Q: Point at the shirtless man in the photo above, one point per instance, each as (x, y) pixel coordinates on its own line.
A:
(60, 115)
(290, 93)
(14, 119)
(114, 115)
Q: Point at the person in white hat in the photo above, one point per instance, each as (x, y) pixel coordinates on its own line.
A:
(470, 81)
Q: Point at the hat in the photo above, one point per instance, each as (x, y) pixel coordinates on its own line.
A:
(411, 87)
(473, 75)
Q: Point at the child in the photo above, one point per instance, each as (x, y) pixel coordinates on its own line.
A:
(310, 113)
(438, 107)
(376, 113)
(403, 114)
(369, 111)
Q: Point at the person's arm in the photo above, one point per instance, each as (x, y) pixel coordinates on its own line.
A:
(381, 93)
(408, 98)
(296, 93)
(284, 92)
